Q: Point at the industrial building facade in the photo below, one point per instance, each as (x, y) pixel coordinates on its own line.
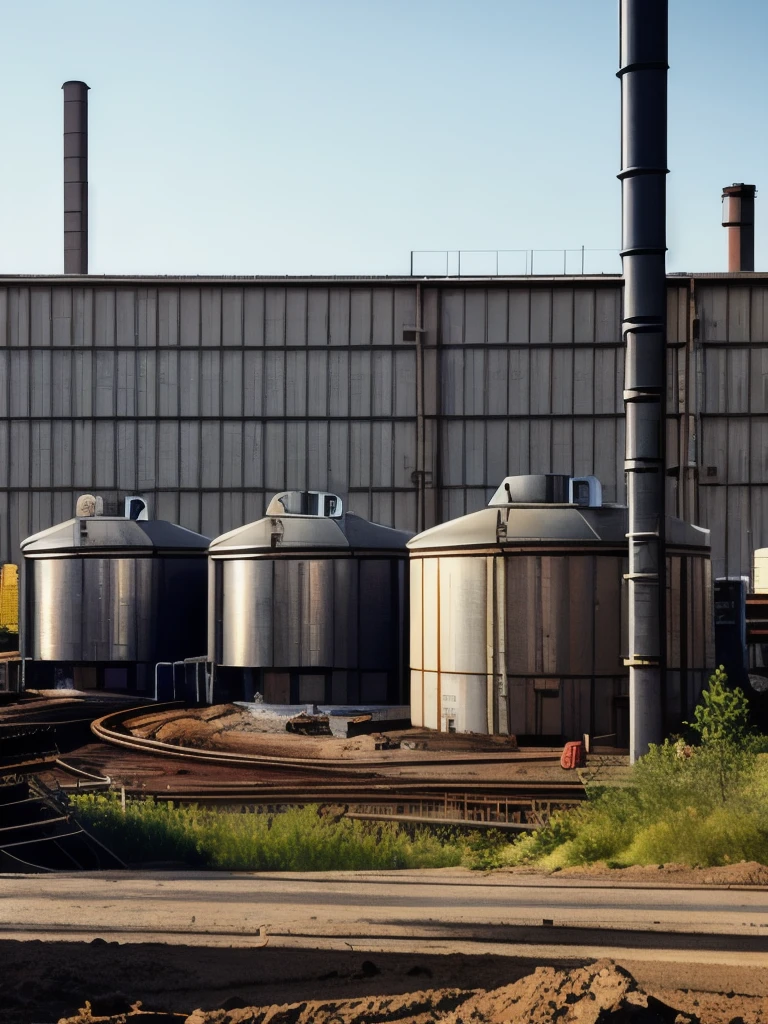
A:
(410, 397)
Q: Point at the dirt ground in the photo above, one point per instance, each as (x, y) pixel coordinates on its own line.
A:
(745, 873)
(47, 981)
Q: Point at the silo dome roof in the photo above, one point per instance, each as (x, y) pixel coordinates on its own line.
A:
(113, 533)
(307, 533)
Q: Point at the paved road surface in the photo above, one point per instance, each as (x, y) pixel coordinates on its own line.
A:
(440, 911)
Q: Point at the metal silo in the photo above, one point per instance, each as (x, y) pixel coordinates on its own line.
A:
(105, 598)
(518, 616)
(309, 605)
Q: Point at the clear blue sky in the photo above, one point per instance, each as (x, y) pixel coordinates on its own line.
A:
(333, 136)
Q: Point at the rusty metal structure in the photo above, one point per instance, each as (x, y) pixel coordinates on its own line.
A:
(75, 178)
(643, 74)
(739, 221)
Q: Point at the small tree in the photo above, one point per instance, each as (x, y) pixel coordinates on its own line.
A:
(726, 748)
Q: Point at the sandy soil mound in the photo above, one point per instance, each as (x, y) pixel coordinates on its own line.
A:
(602, 993)
(743, 873)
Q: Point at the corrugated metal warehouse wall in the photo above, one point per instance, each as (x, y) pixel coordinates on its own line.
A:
(412, 397)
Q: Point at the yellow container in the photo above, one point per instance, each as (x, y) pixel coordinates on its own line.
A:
(9, 597)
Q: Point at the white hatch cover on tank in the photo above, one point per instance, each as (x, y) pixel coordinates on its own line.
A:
(306, 503)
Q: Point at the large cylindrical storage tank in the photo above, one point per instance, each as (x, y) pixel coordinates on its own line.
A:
(518, 616)
(309, 605)
(105, 598)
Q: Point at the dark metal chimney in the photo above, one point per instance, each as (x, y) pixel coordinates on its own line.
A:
(643, 75)
(739, 219)
(75, 178)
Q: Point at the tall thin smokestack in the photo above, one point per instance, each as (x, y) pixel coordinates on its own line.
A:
(75, 178)
(643, 74)
(739, 219)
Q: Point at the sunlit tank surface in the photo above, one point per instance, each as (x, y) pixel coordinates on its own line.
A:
(518, 618)
(108, 589)
(314, 600)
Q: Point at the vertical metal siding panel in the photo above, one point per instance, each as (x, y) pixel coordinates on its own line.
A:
(541, 316)
(583, 381)
(274, 457)
(474, 382)
(338, 469)
(316, 380)
(296, 316)
(274, 383)
(383, 310)
(274, 316)
(519, 392)
(5, 358)
(519, 310)
(167, 383)
(40, 316)
(360, 454)
(405, 511)
(82, 390)
(254, 506)
(360, 384)
(145, 451)
(125, 318)
(405, 454)
(5, 441)
(167, 506)
(317, 455)
(146, 383)
(210, 437)
(736, 524)
(452, 313)
(584, 316)
(104, 445)
(210, 384)
(759, 313)
(562, 316)
(296, 383)
(146, 318)
(381, 448)
(405, 383)
(338, 384)
(474, 453)
(189, 512)
(189, 384)
(497, 382)
(758, 380)
(254, 312)
(125, 382)
(83, 455)
(714, 445)
(713, 306)
(253, 455)
(583, 448)
(475, 330)
(231, 511)
(562, 446)
(126, 444)
(541, 446)
(61, 390)
(40, 450)
(738, 380)
(339, 316)
(4, 324)
(168, 316)
(232, 317)
(210, 317)
(518, 448)
(20, 384)
(61, 441)
(210, 515)
(497, 314)
(167, 454)
(82, 316)
(18, 317)
(40, 397)
(104, 325)
(253, 383)
(541, 362)
(382, 509)
(673, 315)
(758, 454)
(232, 368)
(189, 316)
(737, 451)
(453, 453)
(605, 381)
(231, 454)
(608, 316)
(738, 313)
(715, 380)
(452, 384)
(496, 458)
(189, 467)
(605, 455)
(382, 384)
(361, 316)
(317, 316)
(296, 455)
(562, 381)
(105, 378)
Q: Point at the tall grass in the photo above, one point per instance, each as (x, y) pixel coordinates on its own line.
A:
(299, 839)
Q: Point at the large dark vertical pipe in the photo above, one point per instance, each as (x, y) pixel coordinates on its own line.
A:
(739, 219)
(75, 178)
(643, 74)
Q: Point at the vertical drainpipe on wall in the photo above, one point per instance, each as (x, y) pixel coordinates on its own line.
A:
(75, 177)
(643, 75)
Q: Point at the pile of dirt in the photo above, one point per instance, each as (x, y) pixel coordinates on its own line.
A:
(602, 993)
(746, 872)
